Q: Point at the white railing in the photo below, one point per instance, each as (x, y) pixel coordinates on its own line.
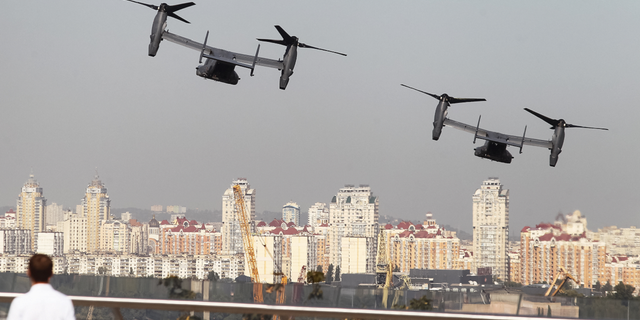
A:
(249, 308)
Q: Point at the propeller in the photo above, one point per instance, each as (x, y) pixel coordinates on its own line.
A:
(168, 9)
(559, 122)
(288, 40)
(446, 97)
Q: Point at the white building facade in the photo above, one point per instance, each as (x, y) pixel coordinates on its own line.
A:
(231, 234)
(353, 213)
(491, 227)
(291, 213)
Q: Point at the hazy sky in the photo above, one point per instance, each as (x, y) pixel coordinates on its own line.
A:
(78, 91)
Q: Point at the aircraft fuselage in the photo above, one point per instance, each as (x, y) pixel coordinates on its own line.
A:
(288, 62)
(438, 118)
(494, 151)
(218, 71)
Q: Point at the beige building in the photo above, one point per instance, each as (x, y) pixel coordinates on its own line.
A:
(231, 234)
(139, 237)
(546, 248)
(422, 246)
(30, 209)
(491, 227)
(114, 237)
(353, 213)
(96, 206)
(74, 229)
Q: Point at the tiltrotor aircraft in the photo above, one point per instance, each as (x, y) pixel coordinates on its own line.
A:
(220, 64)
(443, 106)
(495, 147)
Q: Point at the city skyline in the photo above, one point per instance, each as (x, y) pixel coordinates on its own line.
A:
(81, 92)
(549, 216)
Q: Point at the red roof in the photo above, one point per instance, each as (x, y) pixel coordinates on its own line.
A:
(291, 224)
(324, 225)
(419, 226)
(193, 222)
(164, 222)
(544, 225)
(525, 229)
(405, 234)
(262, 224)
(404, 225)
(187, 229)
(276, 223)
(388, 226)
(288, 231)
(11, 211)
(423, 234)
(134, 223)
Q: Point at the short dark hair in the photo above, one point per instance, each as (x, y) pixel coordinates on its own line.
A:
(40, 267)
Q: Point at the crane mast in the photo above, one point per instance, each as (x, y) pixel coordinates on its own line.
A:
(250, 253)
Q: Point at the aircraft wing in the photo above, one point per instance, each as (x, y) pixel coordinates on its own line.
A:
(270, 63)
(516, 141)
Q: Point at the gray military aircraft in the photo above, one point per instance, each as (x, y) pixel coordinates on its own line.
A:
(442, 109)
(160, 21)
(495, 147)
(290, 54)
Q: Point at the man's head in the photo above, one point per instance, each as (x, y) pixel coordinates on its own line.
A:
(40, 268)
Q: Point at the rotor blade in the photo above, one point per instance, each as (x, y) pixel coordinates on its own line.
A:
(284, 34)
(546, 119)
(431, 94)
(302, 45)
(453, 100)
(175, 16)
(282, 42)
(575, 126)
(181, 6)
(144, 4)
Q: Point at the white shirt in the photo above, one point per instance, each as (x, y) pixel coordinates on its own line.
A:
(41, 302)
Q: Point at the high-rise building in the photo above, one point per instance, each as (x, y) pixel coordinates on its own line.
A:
(491, 227)
(318, 214)
(55, 213)
(291, 213)
(114, 237)
(231, 234)
(30, 209)
(96, 206)
(74, 229)
(353, 213)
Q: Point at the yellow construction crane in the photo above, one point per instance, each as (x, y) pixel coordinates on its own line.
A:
(250, 253)
(567, 275)
(384, 268)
